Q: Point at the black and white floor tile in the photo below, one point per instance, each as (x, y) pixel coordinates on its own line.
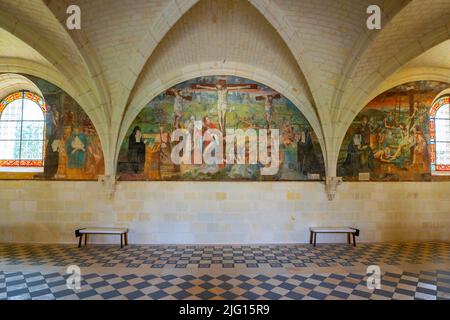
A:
(159, 257)
(272, 272)
(49, 286)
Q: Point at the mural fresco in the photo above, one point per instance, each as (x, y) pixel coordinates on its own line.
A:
(219, 103)
(389, 139)
(71, 148)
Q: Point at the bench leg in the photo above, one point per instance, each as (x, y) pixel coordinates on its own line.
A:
(310, 237)
(79, 241)
(348, 238)
(354, 240)
(315, 238)
(126, 238)
(121, 240)
(85, 239)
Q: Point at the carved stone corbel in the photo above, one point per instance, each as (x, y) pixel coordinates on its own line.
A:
(109, 185)
(331, 184)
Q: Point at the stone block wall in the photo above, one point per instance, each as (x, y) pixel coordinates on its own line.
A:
(223, 212)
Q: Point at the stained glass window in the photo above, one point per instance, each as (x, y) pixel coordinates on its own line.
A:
(22, 132)
(440, 136)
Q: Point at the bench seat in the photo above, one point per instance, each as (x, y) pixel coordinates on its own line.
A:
(122, 232)
(332, 230)
(104, 230)
(349, 231)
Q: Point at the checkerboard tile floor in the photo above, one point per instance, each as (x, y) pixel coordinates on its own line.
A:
(404, 286)
(226, 272)
(275, 256)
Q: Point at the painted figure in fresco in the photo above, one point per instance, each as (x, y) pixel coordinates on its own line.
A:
(208, 139)
(166, 147)
(420, 152)
(94, 153)
(389, 124)
(374, 129)
(68, 118)
(421, 118)
(383, 155)
(288, 146)
(403, 143)
(365, 131)
(287, 132)
(305, 153)
(195, 130)
(54, 132)
(51, 162)
(222, 89)
(207, 124)
(51, 158)
(54, 125)
(350, 163)
(365, 151)
(360, 156)
(190, 126)
(136, 150)
(268, 106)
(389, 121)
(177, 105)
(76, 147)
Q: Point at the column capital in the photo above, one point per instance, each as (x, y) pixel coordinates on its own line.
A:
(331, 184)
(109, 183)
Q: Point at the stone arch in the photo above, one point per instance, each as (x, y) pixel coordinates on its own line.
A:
(10, 83)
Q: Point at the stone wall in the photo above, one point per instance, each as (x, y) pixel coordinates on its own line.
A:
(223, 212)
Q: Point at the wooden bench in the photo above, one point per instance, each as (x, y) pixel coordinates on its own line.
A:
(123, 232)
(349, 231)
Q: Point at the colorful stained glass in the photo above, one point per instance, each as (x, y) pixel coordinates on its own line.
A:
(22, 127)
(440, 136)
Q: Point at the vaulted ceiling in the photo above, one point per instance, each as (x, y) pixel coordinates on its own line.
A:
(319, 54)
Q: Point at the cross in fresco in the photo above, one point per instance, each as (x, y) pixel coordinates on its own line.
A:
(222, 89)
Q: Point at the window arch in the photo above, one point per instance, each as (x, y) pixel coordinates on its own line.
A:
(22, 132)
(440, 136)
